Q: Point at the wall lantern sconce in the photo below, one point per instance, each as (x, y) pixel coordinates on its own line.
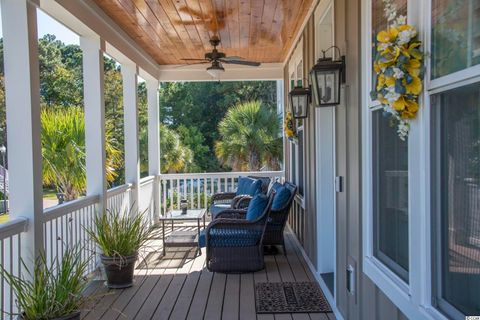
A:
(326, 77)
(299, 100)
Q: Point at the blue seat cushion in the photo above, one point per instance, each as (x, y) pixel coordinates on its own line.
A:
(248, 186)
(256, 207)
(282, 195)
(216, 208)
(229, 238)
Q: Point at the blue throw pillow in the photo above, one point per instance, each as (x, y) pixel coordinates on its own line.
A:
(276, 186)
(244, 184)
(282, 195)
(255, 188)
(256, 207)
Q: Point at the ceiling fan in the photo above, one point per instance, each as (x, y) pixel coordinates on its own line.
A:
(216, 58)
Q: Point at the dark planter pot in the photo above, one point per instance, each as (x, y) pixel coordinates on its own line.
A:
(119, 270)
(73, 316)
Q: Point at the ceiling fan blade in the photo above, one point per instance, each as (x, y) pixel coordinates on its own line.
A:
(234, 58)
(194, 59)
(190, 64)
(242, 62)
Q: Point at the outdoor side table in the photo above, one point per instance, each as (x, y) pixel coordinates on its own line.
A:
(182, 238)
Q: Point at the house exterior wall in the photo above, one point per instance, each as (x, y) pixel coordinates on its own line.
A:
(367, 301)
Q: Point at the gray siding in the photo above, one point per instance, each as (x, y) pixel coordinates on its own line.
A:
(369, 301)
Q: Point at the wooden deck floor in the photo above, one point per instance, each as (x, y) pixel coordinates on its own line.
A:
(180, 287)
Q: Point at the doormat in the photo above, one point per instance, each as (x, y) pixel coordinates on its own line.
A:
(290, 297)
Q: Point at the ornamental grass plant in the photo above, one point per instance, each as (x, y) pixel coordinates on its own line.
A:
(120, 234)
(50, 291)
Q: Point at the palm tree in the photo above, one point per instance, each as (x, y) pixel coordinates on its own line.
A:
(250, 138)
(175, 157)
(63, 151)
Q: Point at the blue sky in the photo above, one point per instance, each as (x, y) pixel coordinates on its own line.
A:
(46, 25)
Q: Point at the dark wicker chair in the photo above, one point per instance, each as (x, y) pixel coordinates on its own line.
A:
(230, 200)
(236, 245)
(277, 221)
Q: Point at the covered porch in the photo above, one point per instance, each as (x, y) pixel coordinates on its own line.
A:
(176, 286)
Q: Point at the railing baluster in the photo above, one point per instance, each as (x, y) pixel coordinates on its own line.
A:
(11, 271)
(191, 193)
(2, 281)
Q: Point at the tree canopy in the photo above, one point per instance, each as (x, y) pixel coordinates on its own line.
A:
(250, 138)
(190, 114)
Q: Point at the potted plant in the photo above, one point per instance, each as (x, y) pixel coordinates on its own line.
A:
(119, 237)
(53, 292)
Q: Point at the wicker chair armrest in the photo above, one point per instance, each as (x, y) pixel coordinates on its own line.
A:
(242, 202)
(232, 214)
(223, 196)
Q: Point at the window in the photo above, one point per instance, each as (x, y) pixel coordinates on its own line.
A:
(456, 208)
(390, 196)
(297, 146)
(421, 197)
(455, 35)
(379, 22)
(389, 181)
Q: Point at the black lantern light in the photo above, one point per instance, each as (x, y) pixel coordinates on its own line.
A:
(326, 77)
(299, 100)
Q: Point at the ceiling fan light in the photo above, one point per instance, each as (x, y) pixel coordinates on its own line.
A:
(216, 70)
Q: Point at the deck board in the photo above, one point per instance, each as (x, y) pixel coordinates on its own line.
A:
(179, 286)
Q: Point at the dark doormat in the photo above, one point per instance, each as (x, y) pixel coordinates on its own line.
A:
(290, 297)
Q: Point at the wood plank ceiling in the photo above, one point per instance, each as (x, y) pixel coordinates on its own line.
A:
(171, 30)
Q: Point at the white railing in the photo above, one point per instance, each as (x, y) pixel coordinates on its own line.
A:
(118, 198)
(10, 255)
(197, 188)
(64, 226)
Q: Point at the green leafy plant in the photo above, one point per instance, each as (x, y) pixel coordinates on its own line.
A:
(63, 151)
(250, 138)
(50, 291)
(120, 234)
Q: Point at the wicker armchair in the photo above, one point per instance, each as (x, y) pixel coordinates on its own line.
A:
(236, 245)
(230, 200)
(277, 221)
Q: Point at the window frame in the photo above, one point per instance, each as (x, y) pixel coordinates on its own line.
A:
(415, 299)
(296, 64)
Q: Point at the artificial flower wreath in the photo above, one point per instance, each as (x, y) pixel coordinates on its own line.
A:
(399, 68)
(289, 126)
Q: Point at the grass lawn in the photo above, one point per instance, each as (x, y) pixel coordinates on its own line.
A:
(3, 218)
(50, 194)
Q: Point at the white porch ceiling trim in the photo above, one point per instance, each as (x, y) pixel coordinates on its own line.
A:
(87, 19)
(266, 71)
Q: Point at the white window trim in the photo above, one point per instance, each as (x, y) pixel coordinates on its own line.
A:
(296, 59)
(412, 298)
(415, 298)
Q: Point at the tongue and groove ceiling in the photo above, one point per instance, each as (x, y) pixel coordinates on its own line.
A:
(171, 30)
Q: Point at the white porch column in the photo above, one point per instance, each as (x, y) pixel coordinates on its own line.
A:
(130, 105)
(22, 84)
(93, 88)
(154, 140)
